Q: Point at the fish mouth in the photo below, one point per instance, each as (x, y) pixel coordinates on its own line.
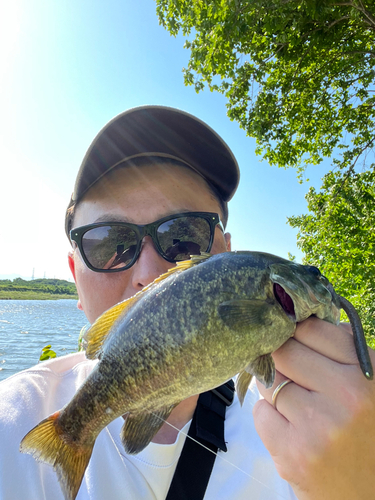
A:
(284, 300)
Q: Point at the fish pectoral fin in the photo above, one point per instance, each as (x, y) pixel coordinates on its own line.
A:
(242, 384)
(98, 332)
(242, 313)
(139, 429)
(263, 368)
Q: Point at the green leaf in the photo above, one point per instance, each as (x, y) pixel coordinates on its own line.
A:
(47, 353)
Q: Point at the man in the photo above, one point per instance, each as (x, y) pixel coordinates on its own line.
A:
(159, 164)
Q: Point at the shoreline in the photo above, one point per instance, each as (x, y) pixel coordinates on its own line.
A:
(5, 295)
(38, 289)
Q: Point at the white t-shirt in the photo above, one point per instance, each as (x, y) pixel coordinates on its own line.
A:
(246, 471)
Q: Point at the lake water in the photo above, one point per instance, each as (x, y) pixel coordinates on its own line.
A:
(26, 326)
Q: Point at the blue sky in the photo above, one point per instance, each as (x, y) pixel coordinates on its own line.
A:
(66, 68)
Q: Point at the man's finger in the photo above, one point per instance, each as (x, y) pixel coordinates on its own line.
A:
(272, 427)
(334, 342)
(308, 368)
(291, 399)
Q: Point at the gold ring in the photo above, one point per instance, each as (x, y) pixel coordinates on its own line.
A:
(277, 391)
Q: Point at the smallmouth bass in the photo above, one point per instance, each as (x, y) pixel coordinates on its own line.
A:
(191, 330)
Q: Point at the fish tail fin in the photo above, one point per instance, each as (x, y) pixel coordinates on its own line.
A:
(46, 443)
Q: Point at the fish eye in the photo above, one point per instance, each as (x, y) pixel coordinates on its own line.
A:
(314, 271)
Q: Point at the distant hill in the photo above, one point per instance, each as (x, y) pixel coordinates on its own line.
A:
(19, 288)
(12, 276)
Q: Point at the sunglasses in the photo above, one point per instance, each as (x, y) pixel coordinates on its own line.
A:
(109, 247)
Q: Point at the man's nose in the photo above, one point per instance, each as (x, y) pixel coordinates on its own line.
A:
(149, 265)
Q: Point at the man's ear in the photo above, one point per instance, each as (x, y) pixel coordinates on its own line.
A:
(73, 271)
(228, 244)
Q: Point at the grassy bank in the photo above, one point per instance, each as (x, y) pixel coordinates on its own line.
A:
(39, 289)
(34, 296)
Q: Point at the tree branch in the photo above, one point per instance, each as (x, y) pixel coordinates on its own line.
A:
(368, 14)
(348, 173)
(337, 21)
(360, 8)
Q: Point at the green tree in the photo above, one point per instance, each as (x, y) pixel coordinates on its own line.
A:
(298, 75)
(299, 78)
(338, 236)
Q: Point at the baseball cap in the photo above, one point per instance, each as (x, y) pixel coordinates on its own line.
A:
(158, 131)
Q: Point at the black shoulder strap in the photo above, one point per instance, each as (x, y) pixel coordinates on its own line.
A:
(194, 467)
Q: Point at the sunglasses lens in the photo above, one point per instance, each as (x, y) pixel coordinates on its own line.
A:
(184, 236)
(109, 247)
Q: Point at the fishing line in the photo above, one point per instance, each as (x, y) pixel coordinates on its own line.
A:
(221, 457)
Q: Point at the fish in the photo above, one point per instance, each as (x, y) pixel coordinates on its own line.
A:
(195, 327)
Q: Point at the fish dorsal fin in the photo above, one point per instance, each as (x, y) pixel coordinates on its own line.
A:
(139, 429)
(180, 266)
(98, 332)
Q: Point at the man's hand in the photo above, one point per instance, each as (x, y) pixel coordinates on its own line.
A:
(322, 434)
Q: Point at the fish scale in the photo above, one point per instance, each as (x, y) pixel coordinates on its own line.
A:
(194, 328)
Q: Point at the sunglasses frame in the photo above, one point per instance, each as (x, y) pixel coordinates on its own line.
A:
(142, 230)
